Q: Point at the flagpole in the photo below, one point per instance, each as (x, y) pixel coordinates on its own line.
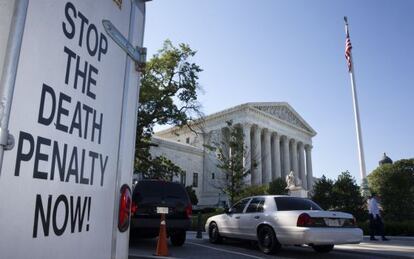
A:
(362, 167)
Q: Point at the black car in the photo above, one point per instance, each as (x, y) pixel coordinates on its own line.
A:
(149, 195)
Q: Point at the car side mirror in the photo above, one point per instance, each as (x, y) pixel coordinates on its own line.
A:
(227, 210)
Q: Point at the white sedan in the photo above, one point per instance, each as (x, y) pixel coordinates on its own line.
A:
(275, 220)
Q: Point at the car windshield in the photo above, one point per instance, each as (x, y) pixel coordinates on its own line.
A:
(294, 203)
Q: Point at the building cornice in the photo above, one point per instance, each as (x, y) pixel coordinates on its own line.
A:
(177, 146)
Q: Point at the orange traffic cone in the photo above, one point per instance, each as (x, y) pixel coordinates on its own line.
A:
(162, 247)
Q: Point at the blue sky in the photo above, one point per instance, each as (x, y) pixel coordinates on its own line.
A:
(293, 51)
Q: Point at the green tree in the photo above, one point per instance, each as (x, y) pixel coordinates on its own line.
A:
(192, 194)
(168, 96)
(277, 187)
(252, 190)
(163, 169)
(322, 193)
(230, 154)
(394, 183)
(346, 196)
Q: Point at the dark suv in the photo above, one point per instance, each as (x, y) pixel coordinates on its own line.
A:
(150, 194)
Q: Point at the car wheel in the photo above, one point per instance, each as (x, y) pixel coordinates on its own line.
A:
(267, 240)
(178, 238)
(214, 234)
(323, 248)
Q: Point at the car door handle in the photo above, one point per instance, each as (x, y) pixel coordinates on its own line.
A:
(257, 217)
(238, 217)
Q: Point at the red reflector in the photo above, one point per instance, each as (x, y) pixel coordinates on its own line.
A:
(189, 210)
(125, 202)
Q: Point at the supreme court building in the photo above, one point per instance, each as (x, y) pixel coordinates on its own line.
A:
(275, 135)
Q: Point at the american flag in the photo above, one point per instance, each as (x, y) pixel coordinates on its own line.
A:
(348, 48)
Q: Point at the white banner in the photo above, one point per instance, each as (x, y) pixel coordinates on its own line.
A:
(57, 184)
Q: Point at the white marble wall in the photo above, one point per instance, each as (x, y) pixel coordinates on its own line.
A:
(187, 157)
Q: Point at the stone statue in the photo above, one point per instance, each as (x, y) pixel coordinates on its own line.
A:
(292, 182)
(294, 186)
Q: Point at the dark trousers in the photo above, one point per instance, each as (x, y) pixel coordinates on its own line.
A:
(375, 225)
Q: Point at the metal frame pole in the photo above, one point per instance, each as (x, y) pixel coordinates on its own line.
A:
(9, 72)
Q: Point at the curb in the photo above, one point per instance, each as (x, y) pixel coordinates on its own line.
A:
(402, 238)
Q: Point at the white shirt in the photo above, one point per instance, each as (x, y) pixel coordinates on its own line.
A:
(373, 207)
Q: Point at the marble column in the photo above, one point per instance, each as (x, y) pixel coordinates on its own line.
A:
(286, 157)
(256, 156)
(309, 174)
(302, 169)
(276, 166)
(267, 162)
(247, 152)
(294, 157)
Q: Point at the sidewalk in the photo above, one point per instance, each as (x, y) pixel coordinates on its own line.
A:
(396, 247)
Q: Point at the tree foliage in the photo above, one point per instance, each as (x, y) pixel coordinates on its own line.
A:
(277, 187)
(346, 196)
(394, 183)
(252, 190)
(230, 154)
(322, 192)
(192, 194)
(163, 169)
(168, 96)
(343, 194)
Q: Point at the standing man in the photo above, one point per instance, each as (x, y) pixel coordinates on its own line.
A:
(376, 226)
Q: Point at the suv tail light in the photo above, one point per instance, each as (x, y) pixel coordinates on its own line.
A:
(304, 220)
(189, 210)
(134, 208)
(125, 202)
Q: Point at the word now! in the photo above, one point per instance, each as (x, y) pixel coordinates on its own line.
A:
(47, 214)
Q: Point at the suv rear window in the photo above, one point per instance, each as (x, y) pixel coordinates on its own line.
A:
(294, 203)
(160, 189)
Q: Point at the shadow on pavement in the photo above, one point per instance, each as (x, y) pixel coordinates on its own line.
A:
(202, 248)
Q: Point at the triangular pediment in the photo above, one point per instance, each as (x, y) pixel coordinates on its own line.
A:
(284, 112)
(281, 111)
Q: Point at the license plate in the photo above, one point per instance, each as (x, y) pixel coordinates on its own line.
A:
(333, 223)
(162, 210)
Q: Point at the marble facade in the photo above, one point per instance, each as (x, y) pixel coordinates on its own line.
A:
(277, 138)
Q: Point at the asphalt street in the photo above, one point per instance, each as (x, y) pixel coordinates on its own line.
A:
(201, 248)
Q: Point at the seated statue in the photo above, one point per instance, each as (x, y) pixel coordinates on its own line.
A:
(292, 182)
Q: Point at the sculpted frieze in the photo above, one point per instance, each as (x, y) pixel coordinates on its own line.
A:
(283, 113)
